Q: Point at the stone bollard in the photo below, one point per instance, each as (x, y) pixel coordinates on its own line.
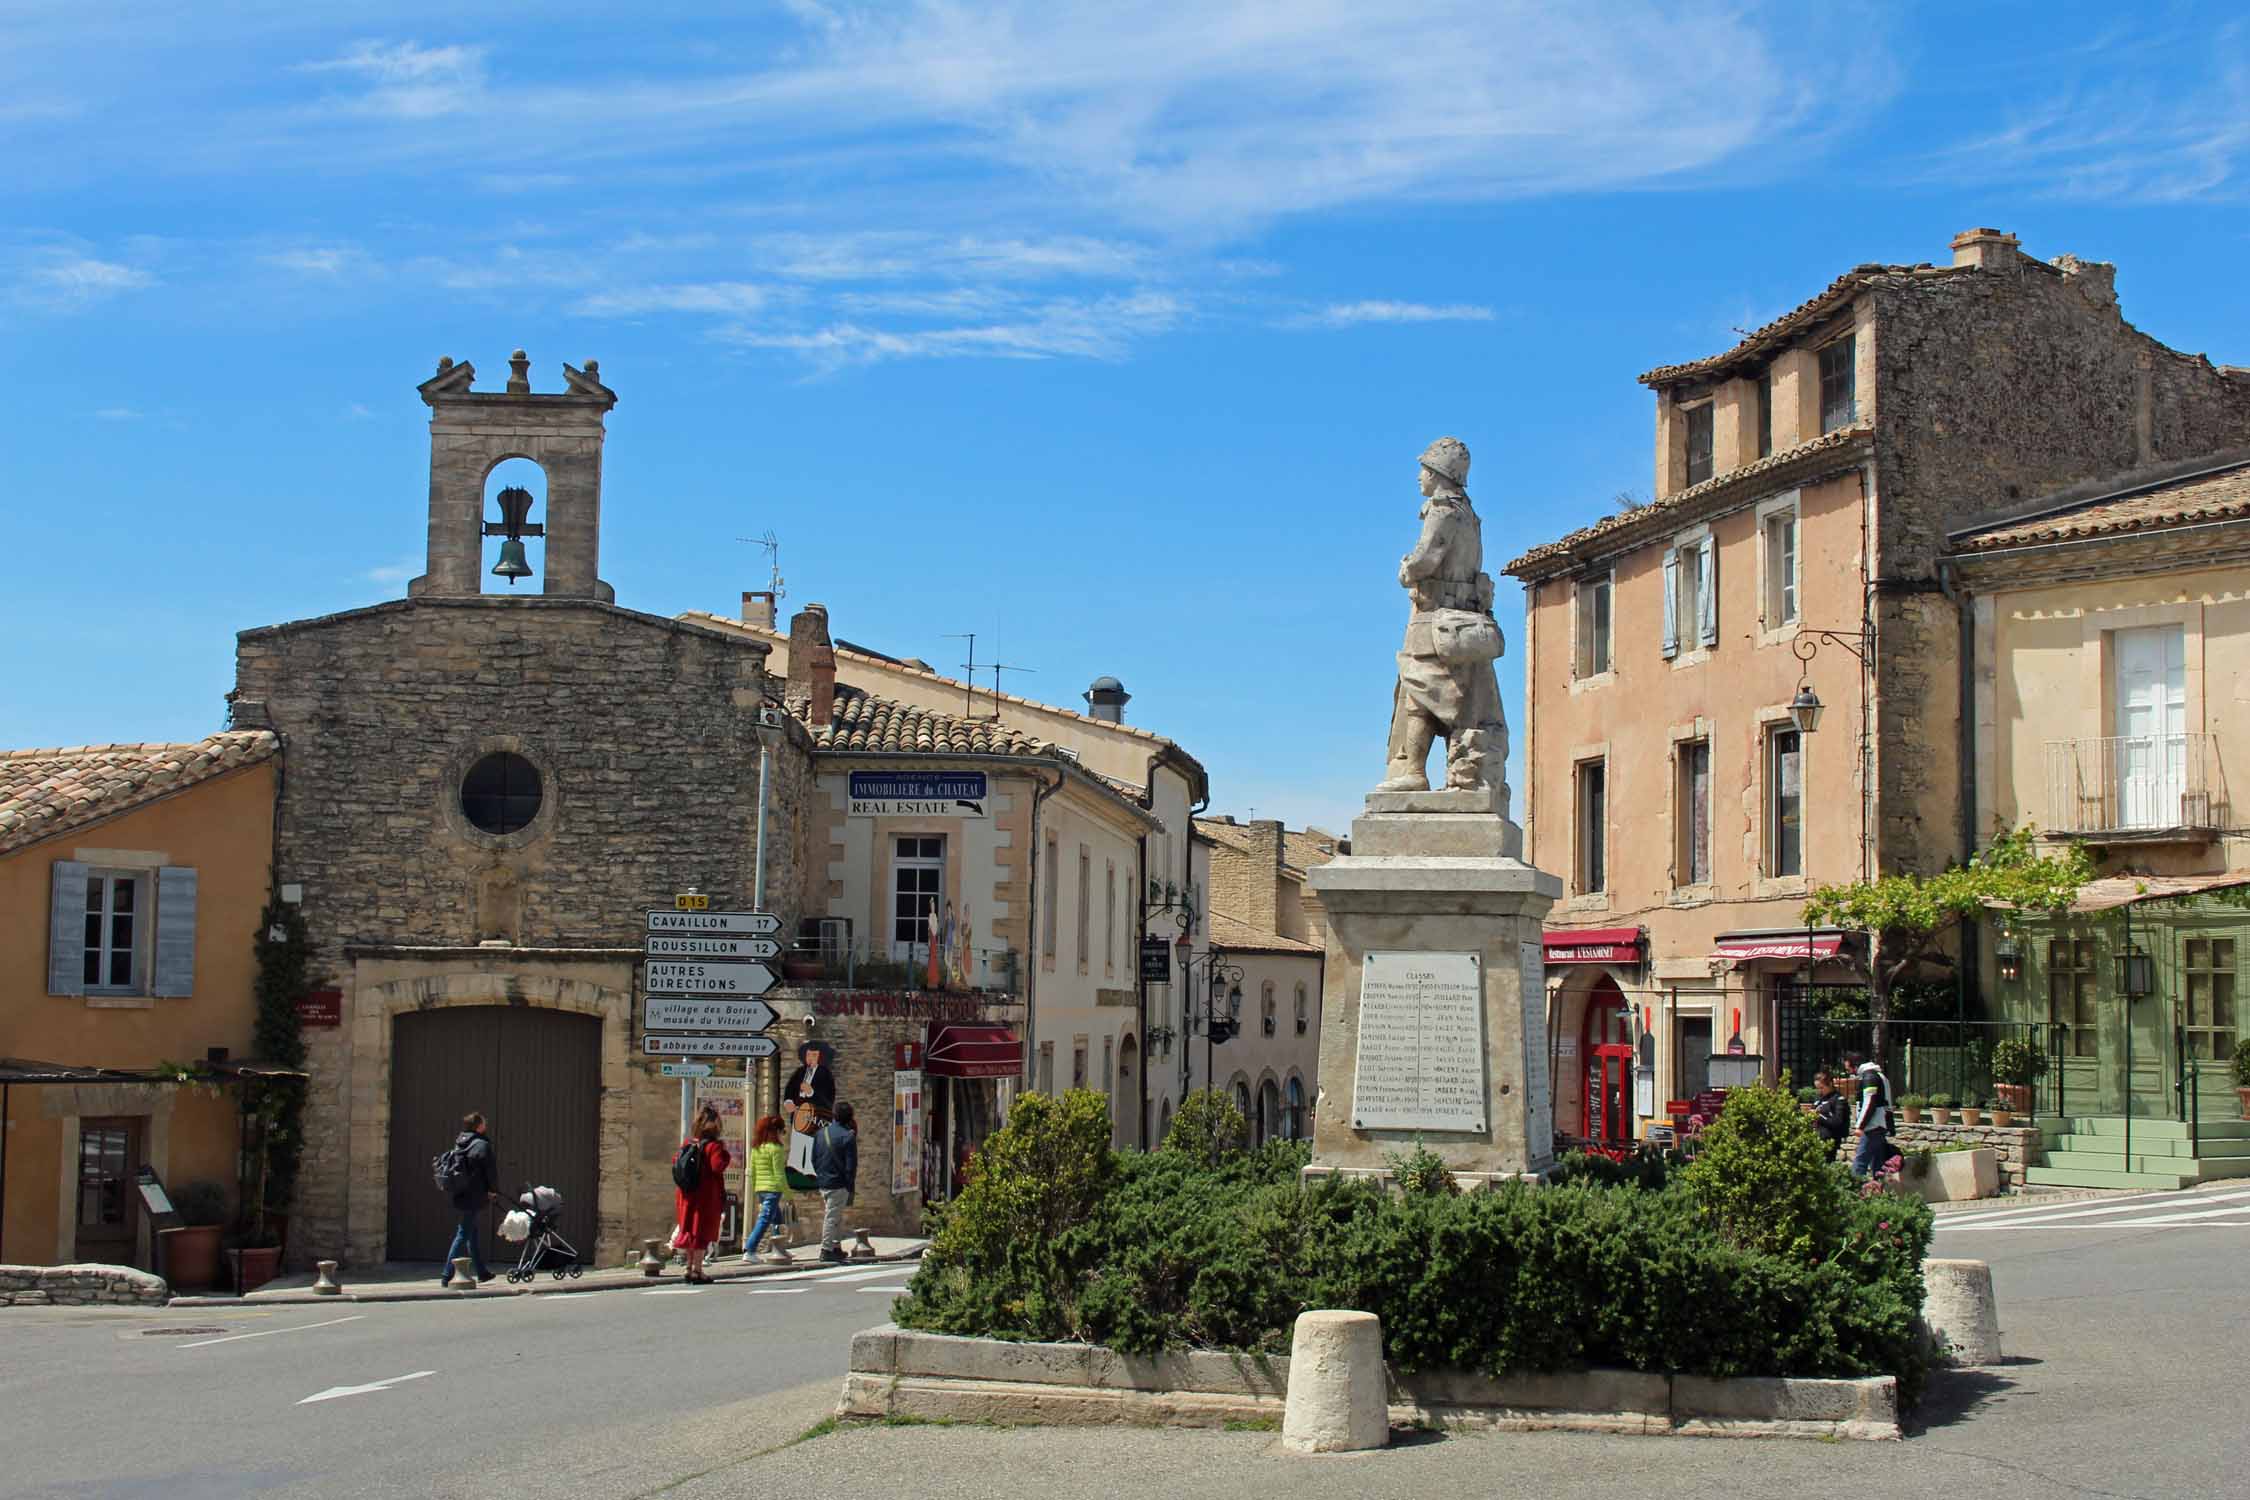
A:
(465, 1273)
(1336, 1400)
(1959, 1311)
(777, 1246)
(863, 1248)
(652, 1264)
(324, 1285)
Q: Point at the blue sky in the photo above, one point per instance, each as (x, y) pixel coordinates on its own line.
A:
(1108, 331)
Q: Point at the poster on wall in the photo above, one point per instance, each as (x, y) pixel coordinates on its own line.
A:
(727, 1097)
(906, 1131)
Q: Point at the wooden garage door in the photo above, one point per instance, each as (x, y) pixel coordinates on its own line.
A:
(536, 1074)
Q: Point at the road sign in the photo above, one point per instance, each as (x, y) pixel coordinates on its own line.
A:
(691, 901)
(661, 945)
(687, 1013)
(684, 1070)
(709, 1046)
(692, 976)
(746, 923)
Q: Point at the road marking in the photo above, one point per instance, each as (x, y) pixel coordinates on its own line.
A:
(777, 1291)
(841, 1275)
(2056, 1213)
(269, 1332)
(672, 1291)
(334, 1391)
(893, 1291)
(2134, 1224)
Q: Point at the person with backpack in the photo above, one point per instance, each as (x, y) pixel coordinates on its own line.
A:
(699, 1173)
(468, 1176)
(836, 1174)
(1831, 1116)
(1873, 1120)
(769, 1179)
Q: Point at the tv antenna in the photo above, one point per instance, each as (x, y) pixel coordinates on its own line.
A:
(772, 544)
(969, 678)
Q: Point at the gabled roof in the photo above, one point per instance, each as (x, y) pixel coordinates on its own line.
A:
(2217, 492)
(862, 722)
(1762, 343)
(46, 792)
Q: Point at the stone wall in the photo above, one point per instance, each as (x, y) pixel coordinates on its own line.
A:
(644, 733)
(2018, 1147)
(80, 1286)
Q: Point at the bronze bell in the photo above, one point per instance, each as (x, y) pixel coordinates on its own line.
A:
(512, 564)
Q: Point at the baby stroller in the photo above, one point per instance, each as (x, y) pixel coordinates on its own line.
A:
(544, 1248)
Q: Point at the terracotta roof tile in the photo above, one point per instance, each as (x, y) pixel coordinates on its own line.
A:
(1781, 330)
(46, 792)
(863, 722)
(2210, 495)
(1236, 936)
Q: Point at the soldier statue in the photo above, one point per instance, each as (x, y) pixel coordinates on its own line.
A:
(1446, 687)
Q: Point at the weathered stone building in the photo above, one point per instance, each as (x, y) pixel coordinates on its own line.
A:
(483, 793)
(1806, 481)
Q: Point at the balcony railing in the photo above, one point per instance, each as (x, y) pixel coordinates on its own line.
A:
(2151, 783)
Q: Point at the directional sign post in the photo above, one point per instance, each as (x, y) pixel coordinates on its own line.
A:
(690, 1013)
(689, 976)
(684, 1069)
(709, 1046)
(665, 945)
(746, 923)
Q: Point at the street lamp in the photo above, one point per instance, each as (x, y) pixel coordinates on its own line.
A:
(1805, 708)
(2007, 956)
(1222, 1007)
(2136, 972)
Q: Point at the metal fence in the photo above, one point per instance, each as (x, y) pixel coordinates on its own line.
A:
(2135, 781)
(907, 966)
(1930, 1058)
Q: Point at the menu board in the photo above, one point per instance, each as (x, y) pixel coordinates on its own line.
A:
(1421, 1063)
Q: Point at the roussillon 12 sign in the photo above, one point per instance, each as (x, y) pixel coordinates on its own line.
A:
(920, 794)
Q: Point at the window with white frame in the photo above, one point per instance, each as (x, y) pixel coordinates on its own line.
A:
(113, 933)
(1781, 568)
(917, 889)
(1691, 598)
(1593, 634)
(1691, 859)
(1785, 802)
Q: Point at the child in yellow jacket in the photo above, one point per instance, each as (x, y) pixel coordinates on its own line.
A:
(769, 1160)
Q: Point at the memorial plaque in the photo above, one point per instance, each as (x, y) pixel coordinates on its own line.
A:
(1539, 1101)
(1421, 1059)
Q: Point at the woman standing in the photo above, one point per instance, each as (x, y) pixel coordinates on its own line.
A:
(768, 1156)
(702, 1206)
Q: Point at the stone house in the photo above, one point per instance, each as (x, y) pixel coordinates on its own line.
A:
(1805, 484)
(2110, 698)
(132, 878)
(1266, 923)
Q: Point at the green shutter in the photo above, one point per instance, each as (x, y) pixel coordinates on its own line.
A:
(175, 932)
(66, 930)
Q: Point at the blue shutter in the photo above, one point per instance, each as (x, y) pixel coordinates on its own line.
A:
(175, 932)
(1671, 604)
(1707, 591)
(66, 930)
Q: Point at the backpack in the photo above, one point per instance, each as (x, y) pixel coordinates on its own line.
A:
(451, 1171)
(687, 1167)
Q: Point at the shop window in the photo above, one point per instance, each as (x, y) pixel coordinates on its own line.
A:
(2208, 965)
(2073, 983)
(1785, 804)
(917, 886)
(1692, 814)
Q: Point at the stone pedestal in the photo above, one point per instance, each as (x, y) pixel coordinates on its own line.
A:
(1433, 1018)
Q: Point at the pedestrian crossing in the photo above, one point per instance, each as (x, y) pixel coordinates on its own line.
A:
(795, 1283)
(2183, 1210)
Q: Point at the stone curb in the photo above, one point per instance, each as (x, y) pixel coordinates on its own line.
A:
(897, 1372)
(546, 1287)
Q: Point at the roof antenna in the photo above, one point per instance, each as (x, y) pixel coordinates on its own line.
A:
(772, 544)
(969, 667)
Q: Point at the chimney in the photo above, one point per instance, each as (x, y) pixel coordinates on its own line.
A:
(1986, 249)
(812, 666)
(757, 608)
(1106, 700)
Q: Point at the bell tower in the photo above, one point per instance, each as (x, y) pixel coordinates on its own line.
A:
(472, 432)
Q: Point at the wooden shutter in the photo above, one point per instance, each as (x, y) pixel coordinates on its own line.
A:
(175, 932)
(1707, 592)
(66, 930)
(1672, 603)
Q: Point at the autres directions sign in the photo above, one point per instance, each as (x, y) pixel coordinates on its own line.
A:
(668, 976)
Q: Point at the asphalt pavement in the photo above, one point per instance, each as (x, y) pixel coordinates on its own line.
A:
(2122, 1318)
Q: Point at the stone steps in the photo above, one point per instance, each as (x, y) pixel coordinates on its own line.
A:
(2073, 1177)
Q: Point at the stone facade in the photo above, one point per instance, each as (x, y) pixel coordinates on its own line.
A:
(80, 1286)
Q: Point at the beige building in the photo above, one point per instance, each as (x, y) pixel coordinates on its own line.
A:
(1805, 483)
(1268, 925)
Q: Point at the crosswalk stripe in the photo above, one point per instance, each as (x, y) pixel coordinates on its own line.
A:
(2056, 1212)
(893, 1269)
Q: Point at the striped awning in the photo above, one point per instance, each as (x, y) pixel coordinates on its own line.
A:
(973, 1051)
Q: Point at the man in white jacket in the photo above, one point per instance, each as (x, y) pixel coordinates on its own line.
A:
(1873, 1120)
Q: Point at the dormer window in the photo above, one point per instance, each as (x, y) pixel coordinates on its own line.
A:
(1839, 404)
(1700, 425)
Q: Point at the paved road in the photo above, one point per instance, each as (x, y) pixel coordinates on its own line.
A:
(605, 1394)
(2123, 1319)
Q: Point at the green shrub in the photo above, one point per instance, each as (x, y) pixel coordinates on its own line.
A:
(1420, 1172)
(1912, 1101)
(1762, 1176)
(2016, 1062)
(1941, 1101)
(1207, 1126)
(2242, 1063)
(1808, 1094)
(1648, 1168)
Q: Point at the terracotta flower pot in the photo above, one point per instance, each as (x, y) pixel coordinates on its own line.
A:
(1911, 1114)
(254, 1267)
(2243, 1095)
(2003, 1118)
(191, 1256)
(2018, 1096)
(1941, 1116)
(1972, 1116)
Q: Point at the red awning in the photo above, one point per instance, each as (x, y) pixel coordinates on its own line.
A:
(1742, 946)
(974, 1052)
(1592, 945)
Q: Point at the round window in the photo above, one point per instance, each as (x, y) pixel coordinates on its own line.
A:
(501, 793)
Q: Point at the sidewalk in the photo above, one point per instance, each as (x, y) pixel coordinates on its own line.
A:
(409, 1281)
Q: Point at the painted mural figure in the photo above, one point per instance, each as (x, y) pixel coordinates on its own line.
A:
(1446, 685)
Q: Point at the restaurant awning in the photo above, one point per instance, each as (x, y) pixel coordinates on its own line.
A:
(1592, 945)
(1783, 943)
(971, 1051)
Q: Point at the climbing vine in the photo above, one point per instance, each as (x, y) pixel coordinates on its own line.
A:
(284, 953)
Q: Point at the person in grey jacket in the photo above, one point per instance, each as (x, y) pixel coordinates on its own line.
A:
(836, 1174)
(469, 1203)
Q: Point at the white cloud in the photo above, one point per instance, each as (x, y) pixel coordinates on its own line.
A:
(360, 411)
(409, 80)
(1085, 328)
(734, 297)
(118, 414)
(889, 254)
(1347, 314)
(324, 260)
(398, 572)
(65, 281)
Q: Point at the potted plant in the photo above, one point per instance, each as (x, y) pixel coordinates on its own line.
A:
(2002, 1111)
(1972, 1114)
(1941, 1109)
(2242, 1075)
(191, 1251)
(1910, 1108)
(2015, 1063)
(1805, 1098)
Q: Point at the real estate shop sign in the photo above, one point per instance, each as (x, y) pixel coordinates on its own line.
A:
(920, 794)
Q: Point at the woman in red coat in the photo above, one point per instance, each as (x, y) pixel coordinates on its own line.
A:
(702, 1207)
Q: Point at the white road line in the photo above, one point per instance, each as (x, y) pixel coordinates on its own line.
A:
(673, 1291)
(777, 1291)
(2084, 1210)
(889, 1291)
(893, 1269)
(269, 1332)
(2135, 1224)
(335, 1391)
